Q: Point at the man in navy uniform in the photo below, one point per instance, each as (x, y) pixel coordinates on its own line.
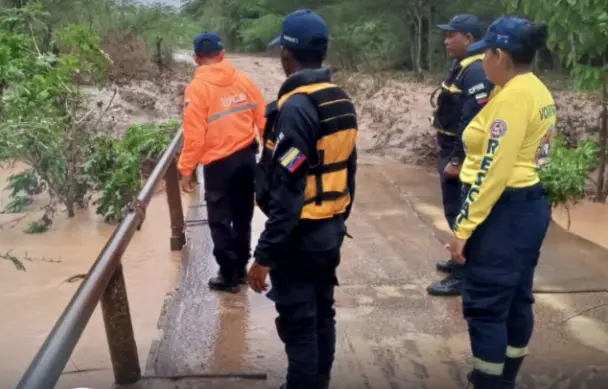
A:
(463, 93)
(305, 184)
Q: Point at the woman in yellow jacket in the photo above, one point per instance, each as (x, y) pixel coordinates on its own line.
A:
(505, 213)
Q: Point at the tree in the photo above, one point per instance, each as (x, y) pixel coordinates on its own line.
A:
(579, 32)
(45, 122)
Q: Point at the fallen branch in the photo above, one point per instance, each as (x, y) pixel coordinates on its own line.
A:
(18, 261)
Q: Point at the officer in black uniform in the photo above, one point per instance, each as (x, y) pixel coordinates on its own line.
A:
(464, 91)
(305, 185)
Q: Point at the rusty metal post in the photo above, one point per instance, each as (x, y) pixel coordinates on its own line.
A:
(119, 330)
(176, 211)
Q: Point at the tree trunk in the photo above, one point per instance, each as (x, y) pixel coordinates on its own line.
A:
(602, 187)
(71, 207)
(429, 48)
(419, 43)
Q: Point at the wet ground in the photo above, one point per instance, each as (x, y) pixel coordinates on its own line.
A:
(391, 334)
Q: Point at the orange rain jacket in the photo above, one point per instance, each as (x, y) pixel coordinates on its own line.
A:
(222, 107)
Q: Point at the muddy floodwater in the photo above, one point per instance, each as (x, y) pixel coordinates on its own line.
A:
(31, 301)
(588, 220)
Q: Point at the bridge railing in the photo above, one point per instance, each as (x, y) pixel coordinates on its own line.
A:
(105, 282)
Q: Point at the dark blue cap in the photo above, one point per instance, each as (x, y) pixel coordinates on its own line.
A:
(303, 30)
(504, 33)
(207, 43)
(468, 24)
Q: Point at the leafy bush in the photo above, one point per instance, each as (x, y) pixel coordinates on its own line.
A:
(115, 164)
(44, 118)
(256, 33)
(567, 171)
(23, 186)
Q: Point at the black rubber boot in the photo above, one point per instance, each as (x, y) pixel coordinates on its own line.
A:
(219, 283)
(484, 381)
(323, 381)
(509, 374)
(446, 266)
(449, 286)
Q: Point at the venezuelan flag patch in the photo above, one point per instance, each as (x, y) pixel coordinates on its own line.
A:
(292, 159)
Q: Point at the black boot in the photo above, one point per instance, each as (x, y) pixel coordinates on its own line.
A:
(509, 374)
(220, 283)
(446, 266)
(449, 286)
(323, 381)
(484, 381)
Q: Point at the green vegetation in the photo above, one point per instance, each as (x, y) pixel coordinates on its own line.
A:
(366, 34)
(43, 123)
(115, 164)
(567, 171)
(45, 119)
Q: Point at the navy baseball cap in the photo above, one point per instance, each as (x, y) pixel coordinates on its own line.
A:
(207, 43)
(504, 33)
(303, 30)
(465, 23)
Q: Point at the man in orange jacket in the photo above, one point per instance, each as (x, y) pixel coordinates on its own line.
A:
(222, 108)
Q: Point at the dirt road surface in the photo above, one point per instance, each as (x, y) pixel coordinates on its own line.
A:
(390, 333)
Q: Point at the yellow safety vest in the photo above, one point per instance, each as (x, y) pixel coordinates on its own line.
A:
(327, 193)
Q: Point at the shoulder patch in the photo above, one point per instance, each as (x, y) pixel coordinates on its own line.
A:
(498, 129)
(292, 159)
(476, 88)
(481, 98)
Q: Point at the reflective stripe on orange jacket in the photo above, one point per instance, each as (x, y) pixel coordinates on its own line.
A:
(222, 107)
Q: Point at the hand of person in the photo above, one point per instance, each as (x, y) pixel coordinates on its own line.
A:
(451, 170)
(257, 277)
(187, 184)
(456, 249)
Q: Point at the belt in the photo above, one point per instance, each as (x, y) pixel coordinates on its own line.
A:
(517, 195)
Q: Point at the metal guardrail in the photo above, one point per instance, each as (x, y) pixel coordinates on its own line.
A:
(105, 281)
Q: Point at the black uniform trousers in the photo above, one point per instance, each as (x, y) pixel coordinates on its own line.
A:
(304, 301)
(229, 193)
(451, 195)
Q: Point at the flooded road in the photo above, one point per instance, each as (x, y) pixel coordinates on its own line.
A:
(32, 301)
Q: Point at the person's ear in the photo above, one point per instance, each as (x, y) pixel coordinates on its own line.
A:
(222, 54)
(503, 58)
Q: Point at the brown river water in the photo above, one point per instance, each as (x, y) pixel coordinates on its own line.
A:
(31, 301)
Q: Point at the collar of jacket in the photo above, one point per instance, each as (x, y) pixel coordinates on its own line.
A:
(466, 60)
(304, 77)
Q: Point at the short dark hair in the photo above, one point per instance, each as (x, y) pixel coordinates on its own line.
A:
(309, 59)
(533, 38)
